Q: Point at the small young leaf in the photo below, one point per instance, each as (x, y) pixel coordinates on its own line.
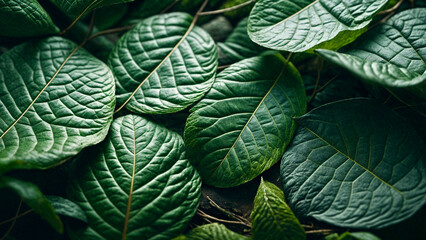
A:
(137, 184)
(67, 208)
(32, 196)
(24, 18)
(352, 236)
(212, 231)
(272, 218)
(301, 25)
(355, 163)
(163, 65)
(243, 124)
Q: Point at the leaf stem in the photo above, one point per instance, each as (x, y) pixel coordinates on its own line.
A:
(227, 9)
(16, 217)
(317, 81)
(78, 18)
(13, 221)
(394, 8)
(170, 6)
(205, 215)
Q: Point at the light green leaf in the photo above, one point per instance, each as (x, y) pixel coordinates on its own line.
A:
(51, 105)
(238, 46)
(355, 163)
(243, 124)
(67, 208)
(212, 231)
(24, 18)
(302, 25)
(272, 218)
(137, 184)
(74, 9)
(163, 65)
(31, 195)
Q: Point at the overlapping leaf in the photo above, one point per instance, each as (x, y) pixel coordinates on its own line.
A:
(212, 231)
(163, 65)
(74, 9)
(355, 163)
(136, 185)
(51, 105)
(24, 18)
(242, 126)
(301, 25)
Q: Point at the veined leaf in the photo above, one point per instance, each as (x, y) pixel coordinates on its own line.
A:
(272, 218)
(67, 208)
(301, 25)
(74, 9)
(136, 185)
(352, 236)
(212, 231)
(163, 65)
(55, 99)
(243, 124)
(355, 163)
(24, 18)
(32, 196)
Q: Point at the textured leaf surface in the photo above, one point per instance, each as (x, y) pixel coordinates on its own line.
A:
(272, 218)
(355, 163)
(75, 8)
(67, 208)
(212, 231)
(243, 124)
(238, 46)
(352, 236)
(301, 25)
(161, 68)
(23, 18)
(136, 185)
(32, 196)
(47, 112)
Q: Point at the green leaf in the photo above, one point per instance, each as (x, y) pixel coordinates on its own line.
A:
(243, 124)
(67, 208)
(301, 25)
(352, 236)
(51, 105)
(272, 218)
(405, 84)
(212, 231)
(163, 65)
(24, 18)
(355, 163)
(146, 9)
(74, 9)
(238, 46)
(137, 184)
(31, 195)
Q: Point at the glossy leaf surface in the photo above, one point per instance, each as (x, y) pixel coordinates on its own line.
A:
(301, 25)
(24, 18)
(51, 106)
(272, 218)
(163, 64)
(137, 184)
(355, 163)
(74, 9)
(67, 208)
(243, 124)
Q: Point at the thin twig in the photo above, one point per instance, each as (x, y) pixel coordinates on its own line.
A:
(205, 215)
(229, 214)
(170, 6)
(13, 222)
(394, 8)
(78, 18)
(320, 231)
(91, 25)
(109, 31)
(326, 84)
(317, 81)
(16, 217)
(223, 67)
(227, 9)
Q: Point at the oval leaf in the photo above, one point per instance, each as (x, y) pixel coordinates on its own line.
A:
(355, 163)
(301, 25)
(24, 18)
(242, 126)
(272, 218)
(67, 208)
(51, 105)
(136, 185)
(163, 65)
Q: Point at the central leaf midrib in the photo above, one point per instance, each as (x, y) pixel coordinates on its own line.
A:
(345, 155)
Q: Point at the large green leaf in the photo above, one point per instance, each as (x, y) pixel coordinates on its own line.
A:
(32, 196)
(74, 9)
(23, 18)
(212, 231)
(136, 185)
(243, 124)
(301, 25)
(272, 218)
(163, 65)
(355, 163)
(51, 105)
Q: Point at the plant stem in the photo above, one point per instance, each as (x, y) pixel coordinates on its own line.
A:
(13, 222)
(170, 6)
(317, 81)
(394, 8)
(227, 9)
(78, 18)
